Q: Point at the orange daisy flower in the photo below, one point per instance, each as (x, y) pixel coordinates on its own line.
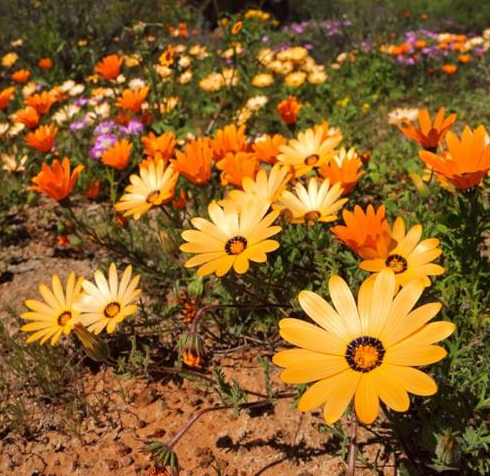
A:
(229, 139)
(45, 63)
(21, 76)
(27, 116)
(410, 258)
(195, 164)
(41, 102)
(288, 110)
(467, 160)
(235, 167)
(429, 134)
(42, 139)
(133, 99)
(267, 150)
(327, 131)
(343, 169)
(159, 147)
(464, 58)
(109, 67)
(117, 156)
(449, 69)
(5, 97)
(56, 181)
(363, 230)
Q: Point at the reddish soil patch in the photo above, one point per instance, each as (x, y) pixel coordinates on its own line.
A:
(124, 414)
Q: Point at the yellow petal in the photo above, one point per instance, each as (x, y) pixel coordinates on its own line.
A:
(323, 314)
(310, 371)
(383, 291)
(306, 335)
(341, 394)
(402, 305)
(390, 388)
(414, 380)
(432, 332)
(409, 355)
(241, 263)
(344, 303)
(366, 399)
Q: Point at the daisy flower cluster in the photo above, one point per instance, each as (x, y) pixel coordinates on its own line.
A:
(98, 306)
(439, 51)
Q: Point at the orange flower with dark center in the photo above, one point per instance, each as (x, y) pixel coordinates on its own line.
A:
(267, 150)
(195, 164)
(159, 147)
(41, 102)
(429, 134)
(5, 97)
(21, 76)
(229, 139)
(45, 63)
(449, 69)
(27, 116)
(56, 181)
(466, 161)
(464, 58)
(109, 67)
(420, 44)
(235, 167)
(42, 139)
(133, 99)
(289, 109)
(364, 231)
(117, 156)
(345, 172)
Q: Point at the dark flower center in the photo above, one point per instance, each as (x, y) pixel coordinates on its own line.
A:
(63, 318)
(112, 309)
(152, 197)
(312, 216)
(312, 159)
(236, 245)
(397, 263)
(365, 354)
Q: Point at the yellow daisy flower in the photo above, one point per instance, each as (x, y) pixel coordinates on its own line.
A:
(107, 303)
(154, 186)
(267, 188)
(365, 350)
(56, 315)
(310, 149)
(312, 204)
(231, 238)
(411, 258)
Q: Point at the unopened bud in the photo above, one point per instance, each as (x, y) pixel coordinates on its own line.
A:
(192, 349)
(93, 345)
(168, 244)
(420, 186)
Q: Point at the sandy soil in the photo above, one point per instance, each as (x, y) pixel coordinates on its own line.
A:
(127, 413)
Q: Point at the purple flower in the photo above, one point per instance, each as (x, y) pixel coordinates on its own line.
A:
(102, 142)
(308, 46)
(104, 128)
(265, 39)
(80, 101)
(78, 125)
(134, 127)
